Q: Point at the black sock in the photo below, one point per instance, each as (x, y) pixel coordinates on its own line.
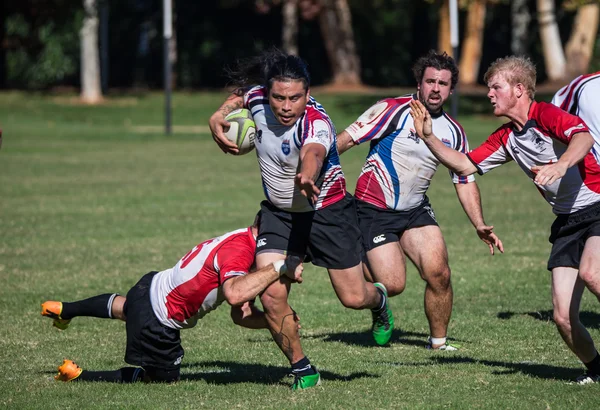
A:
(381, 303)
(303, 367)
(123, 375)
(97, 306)
(594, 365)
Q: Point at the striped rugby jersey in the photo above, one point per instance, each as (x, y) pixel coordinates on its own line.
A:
(278, 151)
(184, 294)
(399, 166)
(542, 141)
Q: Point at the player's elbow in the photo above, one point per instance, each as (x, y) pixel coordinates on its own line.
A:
(235, 298)
(233, 295)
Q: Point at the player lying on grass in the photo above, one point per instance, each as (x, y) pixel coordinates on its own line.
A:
(162, 303)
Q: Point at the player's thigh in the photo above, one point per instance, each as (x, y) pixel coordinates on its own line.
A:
(349, 285)
(282, 232)
(426, 248)
(589, 268)
(567, 289)
(387, 263)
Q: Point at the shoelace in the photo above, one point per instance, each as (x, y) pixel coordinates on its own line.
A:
(382, 319)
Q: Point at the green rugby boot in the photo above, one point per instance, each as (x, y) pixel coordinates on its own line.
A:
(383, 321)
(306, 381)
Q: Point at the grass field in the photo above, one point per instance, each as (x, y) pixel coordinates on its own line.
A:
(91, 198)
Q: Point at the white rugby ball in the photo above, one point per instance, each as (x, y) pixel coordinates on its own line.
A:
(242, 130)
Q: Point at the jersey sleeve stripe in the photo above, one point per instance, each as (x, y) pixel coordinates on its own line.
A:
(479, 170)
(394, 113)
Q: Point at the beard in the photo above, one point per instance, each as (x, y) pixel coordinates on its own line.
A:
(432, 108)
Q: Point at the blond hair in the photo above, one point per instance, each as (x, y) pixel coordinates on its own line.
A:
(515, 70)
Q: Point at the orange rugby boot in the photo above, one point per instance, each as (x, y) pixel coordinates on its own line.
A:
(53, 309)
(68, 371)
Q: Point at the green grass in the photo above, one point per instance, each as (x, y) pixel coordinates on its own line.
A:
(88, 205)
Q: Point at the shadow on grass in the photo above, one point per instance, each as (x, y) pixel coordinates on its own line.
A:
(224, 372)
(365, 339)
(540, 371)
(589, 319)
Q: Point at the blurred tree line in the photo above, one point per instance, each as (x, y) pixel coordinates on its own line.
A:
(40, 39)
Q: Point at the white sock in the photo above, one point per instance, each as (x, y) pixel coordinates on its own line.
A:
(437, 341)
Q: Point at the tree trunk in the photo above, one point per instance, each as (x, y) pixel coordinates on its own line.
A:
(336, 28)
(444, 28)
(580, 47)
(554, 56)
(471, 52)
(290, 27)
(91, 92)
(521, 20)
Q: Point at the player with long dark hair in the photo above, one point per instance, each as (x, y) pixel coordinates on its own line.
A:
(307, 212)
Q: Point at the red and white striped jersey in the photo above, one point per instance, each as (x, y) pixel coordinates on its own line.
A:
(278, 151)
(542, 141)
(399, 167)
(184, 294)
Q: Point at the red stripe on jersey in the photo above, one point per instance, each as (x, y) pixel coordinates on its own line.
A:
(339, 190)
(369, 190)
(589, 170)
(555, 122)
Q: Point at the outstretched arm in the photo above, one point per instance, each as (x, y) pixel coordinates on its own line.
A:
(218, 124)
(455, 161)
(470, 199)
(240, 289)
(312, 157)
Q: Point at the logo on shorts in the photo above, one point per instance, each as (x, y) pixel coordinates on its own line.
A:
(379, 238)
(285, 147)
(259, 136)
(261, 242)
(430, 212)
(178, 361)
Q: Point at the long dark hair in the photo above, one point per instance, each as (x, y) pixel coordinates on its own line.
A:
(272, 65)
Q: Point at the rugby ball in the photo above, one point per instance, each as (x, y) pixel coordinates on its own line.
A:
(242, 130)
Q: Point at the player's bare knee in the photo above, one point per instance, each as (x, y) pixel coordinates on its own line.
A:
(591, 277)
(395, 288)
(273, 301)
(353, 300)
(438, 279)
(562, 320)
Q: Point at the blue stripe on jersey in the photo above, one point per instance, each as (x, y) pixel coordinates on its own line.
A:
(595, 154)
(386, 145)
(333, 159)
(454, 139)
(265, 190)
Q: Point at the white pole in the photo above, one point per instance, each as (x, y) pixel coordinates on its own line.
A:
(454, 43)
(167, 34)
